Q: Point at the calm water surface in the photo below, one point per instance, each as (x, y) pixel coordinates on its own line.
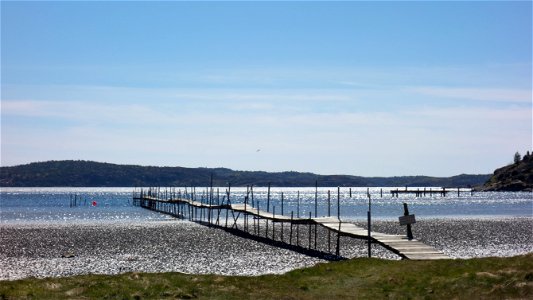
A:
(34, 205)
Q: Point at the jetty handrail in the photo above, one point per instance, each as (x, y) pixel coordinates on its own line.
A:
(401, 245)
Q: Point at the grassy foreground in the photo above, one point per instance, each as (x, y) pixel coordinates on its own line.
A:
(485, 278)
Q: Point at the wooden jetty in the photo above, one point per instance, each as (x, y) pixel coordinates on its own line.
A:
(225, 214)
(426, 192)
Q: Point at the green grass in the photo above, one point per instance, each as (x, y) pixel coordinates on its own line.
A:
(485, 278)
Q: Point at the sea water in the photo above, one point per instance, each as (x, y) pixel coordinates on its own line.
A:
(35, 205)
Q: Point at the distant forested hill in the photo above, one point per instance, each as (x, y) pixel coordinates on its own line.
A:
(94, 174)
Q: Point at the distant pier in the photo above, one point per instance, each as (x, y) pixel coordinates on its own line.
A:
(427, 192)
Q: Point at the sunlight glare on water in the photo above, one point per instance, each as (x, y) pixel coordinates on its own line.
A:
(22, 205)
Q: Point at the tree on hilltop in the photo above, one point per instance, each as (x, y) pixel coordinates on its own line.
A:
(517, 157)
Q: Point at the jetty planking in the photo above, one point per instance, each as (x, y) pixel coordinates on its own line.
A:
(212, 210)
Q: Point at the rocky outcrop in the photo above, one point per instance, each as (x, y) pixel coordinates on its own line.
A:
(512, 178)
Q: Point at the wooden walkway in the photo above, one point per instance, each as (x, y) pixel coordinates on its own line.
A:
(430, 192)
(405, 248)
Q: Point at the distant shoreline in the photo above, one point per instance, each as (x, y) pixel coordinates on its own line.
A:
(95, 174)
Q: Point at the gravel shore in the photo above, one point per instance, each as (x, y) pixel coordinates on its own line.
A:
(54, 250)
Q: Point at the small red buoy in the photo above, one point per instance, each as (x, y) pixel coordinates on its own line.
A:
(94, 203)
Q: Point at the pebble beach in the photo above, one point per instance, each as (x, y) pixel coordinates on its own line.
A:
(66, 249)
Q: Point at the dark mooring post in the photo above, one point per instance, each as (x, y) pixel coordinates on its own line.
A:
(268, 198)
(252, 194)
(369, 215)
(282, 203)
(292, 222)
(218, 205)
(282, 216)
(298, 205)
(228, 203)
(273, 223)
(337, 250)
(245, 208)
(257, 232)
(329, 215)
(339, 203)
(210, 211)
(329, 204)
(298, 216)
(316, 198)
(406, 213)
(309, 245)
(316, 209)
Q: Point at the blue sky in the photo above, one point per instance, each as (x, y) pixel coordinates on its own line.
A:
(362, 88)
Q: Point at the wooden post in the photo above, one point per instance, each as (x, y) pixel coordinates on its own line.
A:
(282, 203)
(245, 206)
(266, 228)
(309, 233)
(338, 203)
(257, 232)
(273, 223)
(292, 221)
(252, 193)
(369, 216)
(298, 216)
(298, 205)
(329, 204)
(406, 213)
(227, 210)
(337, 250)
(282, 215)
(218, 204)
(254, 218)
(316, 198)
(268, 198)
(316, 209)
(210, 199)
(298, 234)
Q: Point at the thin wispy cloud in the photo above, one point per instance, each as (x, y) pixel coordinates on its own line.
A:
(478, 94)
